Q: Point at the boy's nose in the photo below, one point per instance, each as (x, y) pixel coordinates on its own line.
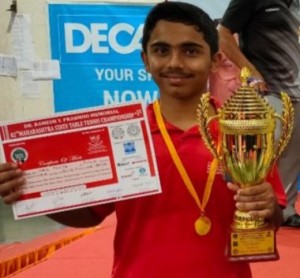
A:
(175, 59)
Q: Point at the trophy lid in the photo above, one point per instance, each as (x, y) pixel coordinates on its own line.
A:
(246, 110)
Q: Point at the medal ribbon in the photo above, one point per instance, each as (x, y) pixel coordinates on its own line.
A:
(179, 165)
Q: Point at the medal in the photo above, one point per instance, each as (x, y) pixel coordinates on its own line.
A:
(202, 225)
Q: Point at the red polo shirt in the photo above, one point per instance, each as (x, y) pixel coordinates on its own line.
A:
(155, 236)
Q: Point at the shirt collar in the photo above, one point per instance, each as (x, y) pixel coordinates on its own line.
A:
(170, 127)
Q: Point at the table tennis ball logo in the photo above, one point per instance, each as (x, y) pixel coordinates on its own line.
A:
(19, 155)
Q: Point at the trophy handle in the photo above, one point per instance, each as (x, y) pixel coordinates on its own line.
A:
(204, 121)
(287, 120)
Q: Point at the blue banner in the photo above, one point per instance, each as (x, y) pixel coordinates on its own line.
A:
(99, 47)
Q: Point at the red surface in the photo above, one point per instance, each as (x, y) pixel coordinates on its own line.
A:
(91, 256)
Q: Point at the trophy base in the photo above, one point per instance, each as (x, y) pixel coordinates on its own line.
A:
(252, 245)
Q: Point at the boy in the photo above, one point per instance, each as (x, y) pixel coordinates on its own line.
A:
(162, 235)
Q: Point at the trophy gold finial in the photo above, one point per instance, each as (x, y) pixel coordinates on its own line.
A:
(245, 75)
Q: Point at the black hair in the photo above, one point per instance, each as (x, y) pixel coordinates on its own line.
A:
(185, 13)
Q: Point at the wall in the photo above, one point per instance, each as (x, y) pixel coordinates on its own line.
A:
(13, 104)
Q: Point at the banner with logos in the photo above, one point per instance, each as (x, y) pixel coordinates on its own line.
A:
(98, 47)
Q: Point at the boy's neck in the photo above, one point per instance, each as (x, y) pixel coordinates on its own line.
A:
(181, 112)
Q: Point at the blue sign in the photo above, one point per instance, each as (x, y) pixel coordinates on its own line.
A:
(99, 47)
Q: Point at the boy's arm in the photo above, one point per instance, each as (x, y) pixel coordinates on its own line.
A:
(83, 217)
(79, 218)
(231, 49)
(12, 179)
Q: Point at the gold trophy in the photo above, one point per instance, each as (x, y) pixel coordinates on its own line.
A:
(248, 151)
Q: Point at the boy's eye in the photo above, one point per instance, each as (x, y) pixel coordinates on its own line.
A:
(192, 51)
(161, 50)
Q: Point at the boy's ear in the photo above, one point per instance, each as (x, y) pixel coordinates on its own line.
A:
(145, 60)
(215, 61)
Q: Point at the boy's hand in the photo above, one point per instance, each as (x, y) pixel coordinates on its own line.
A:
(259, 200)
(11, 181)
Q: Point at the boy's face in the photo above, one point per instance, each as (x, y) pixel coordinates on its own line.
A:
(179, 59)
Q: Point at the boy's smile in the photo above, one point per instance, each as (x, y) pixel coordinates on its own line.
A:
(179, 60)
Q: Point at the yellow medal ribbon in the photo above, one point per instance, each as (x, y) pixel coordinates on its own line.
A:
(203, 223)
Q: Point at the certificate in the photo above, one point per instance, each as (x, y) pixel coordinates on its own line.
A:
(81, 158)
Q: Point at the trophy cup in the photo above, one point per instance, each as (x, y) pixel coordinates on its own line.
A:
(248, 151)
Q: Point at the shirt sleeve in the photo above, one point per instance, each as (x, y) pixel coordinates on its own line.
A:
(275, 180)
(238, 15)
